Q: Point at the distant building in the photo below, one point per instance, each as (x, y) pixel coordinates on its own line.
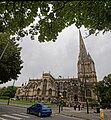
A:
(70, 90)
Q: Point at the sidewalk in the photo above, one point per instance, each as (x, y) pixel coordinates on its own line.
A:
(69, 111)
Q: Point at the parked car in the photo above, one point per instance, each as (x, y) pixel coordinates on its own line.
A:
(40, 110)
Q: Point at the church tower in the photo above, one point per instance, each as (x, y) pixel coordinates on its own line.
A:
(86, 69)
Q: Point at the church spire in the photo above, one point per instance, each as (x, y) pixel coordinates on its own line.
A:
(83, 52)
(89, 56)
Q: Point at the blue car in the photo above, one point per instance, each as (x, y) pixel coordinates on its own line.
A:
(40, 110)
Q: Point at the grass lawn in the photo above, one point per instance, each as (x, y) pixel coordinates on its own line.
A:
(25, 102)
(17, 101)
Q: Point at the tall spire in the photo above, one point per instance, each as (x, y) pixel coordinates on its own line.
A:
(83, 52)
(89, 56)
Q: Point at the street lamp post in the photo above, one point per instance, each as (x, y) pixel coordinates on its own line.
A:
(62, 103)
(60, 95)
(59, 107)
(9, 41)
(10, 96)
(85, 87)
(4, 50)
(86, 92)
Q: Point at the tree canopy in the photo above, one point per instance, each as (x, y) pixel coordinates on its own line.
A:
(8, 91)
(52, 17)
(103, 89)
(10, 63)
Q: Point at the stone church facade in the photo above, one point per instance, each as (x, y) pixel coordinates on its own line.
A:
(70, 90)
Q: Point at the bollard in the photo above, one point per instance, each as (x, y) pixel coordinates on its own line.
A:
(101, 114)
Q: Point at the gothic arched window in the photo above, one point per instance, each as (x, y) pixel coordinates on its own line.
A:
(65, 86)
(44, 86)
(56, 85)
(38, 91)
(64, 94)
(88, 93)
(50, 92)
(61, 85)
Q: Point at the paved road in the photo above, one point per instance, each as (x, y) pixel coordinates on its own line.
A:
(8, 112)
(19, 112)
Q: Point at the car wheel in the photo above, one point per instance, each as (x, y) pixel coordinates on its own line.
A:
(39, 114)
(28, 111)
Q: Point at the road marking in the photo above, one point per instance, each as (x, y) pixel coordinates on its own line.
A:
(21, 115)
(17, 118)
(2, 118)
(24, 113)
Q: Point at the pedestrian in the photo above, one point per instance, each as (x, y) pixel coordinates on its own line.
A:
(79, 107)
(61, 106)
(75, 106)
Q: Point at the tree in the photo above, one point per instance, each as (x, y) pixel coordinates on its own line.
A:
(103, 89)
(53, 17)
(2, 91)
(11, 63)
(8, 91)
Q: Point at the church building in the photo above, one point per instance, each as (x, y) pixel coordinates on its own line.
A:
(70, 90)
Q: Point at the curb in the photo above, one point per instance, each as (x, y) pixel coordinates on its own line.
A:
(76, 116)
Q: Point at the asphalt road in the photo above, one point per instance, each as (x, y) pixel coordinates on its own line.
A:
(8, 112)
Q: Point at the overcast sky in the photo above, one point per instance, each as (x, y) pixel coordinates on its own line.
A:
(60, 57)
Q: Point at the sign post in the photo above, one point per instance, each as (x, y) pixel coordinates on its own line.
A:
(101, 114)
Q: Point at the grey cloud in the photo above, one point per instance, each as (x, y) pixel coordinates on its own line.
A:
(60, 57)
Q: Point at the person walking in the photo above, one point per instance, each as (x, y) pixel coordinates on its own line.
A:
(79, 107)
(75, 106)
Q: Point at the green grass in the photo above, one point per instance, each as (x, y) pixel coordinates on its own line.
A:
(17, 101)
(3, 100)
(24, 102)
